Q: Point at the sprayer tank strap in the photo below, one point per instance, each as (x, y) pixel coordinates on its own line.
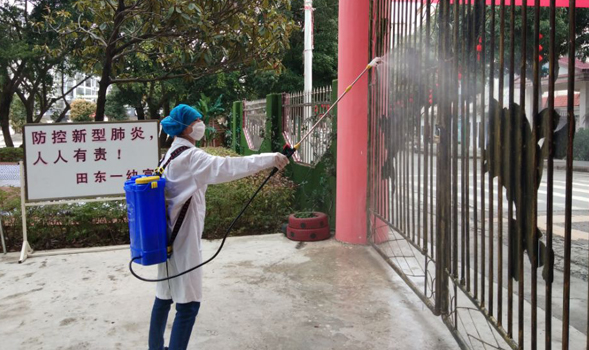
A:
(178, 224)
(184, 209)
(174, 154)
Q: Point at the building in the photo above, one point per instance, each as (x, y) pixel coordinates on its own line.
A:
(580, 98)
(88, 91)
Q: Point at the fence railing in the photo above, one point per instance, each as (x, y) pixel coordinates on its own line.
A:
(300, 112)
(483, 237)
(254, 123)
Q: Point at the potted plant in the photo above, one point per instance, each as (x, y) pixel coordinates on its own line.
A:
(308, 226)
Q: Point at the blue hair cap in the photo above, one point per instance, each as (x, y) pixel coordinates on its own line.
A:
(180, 117)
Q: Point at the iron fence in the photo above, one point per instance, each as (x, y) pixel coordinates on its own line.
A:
(301, 111)
(464, 201)
(9, 171)
(254, 123)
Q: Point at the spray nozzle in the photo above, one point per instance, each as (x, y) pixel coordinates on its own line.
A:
(375, 61)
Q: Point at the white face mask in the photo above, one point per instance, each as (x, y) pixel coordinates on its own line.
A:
(198, 131)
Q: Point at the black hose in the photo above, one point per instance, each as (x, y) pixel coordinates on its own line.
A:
(274, 171)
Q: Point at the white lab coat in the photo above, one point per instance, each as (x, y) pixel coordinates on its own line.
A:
(188, 175)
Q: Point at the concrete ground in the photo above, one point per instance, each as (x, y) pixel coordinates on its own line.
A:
(262, 292)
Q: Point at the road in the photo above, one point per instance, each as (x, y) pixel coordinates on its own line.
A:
(412, 186)
(580, 196)
(580, 207)
(580, 200)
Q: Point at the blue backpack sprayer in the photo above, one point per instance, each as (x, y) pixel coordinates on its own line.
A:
(146, 207)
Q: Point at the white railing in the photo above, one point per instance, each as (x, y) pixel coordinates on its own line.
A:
(254, 123)
(300, 112)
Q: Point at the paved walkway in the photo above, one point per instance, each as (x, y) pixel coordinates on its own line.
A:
(262, 292)
(16, 139)
(578, 165)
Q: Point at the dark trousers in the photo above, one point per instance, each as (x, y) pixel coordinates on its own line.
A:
(183, 323)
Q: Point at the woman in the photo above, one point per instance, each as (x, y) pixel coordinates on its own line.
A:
(187, 177)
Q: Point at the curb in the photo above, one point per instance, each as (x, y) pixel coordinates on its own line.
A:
(562, 166)
(558, 164)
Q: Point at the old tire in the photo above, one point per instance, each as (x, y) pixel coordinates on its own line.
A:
(307, 235)
(318, 221)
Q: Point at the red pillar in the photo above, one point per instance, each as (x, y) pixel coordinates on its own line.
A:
(352, 122)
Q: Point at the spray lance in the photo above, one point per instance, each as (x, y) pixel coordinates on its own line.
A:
(288, 151)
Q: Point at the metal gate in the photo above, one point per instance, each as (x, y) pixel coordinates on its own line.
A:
(300, 112)
(465, 201)
(254, 123)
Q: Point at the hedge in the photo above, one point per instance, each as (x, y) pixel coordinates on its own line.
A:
(581, 145)
(10, 154)
(105, 223)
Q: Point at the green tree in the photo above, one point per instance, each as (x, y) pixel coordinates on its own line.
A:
(29, 59)
(209, 109)
(291, 78)
(18, 115)
(581, 145)
(173, 38)
(227, 84)
(82, 111)
(561, 35)
(561, 30)
(133, 95)
(116, 101)
(16, 53)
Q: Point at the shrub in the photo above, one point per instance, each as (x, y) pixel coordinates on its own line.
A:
(105, 223)
(10, 154)
(220, 151)
(60, 226)
(82, 111)
(304, 214)
(265, 214)
(581, 145)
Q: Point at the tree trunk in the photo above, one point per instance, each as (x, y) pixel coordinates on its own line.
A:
(152, 106)
(163, 135)
(153, 111)
(102, 87)
(29, 104)
(140, 112)
(63, 113)
(169, 141)
(109, 53)
(30, 107)
(162, 139)
(5, 101)
(6, 95)
(105, 79)
(167, 107)
(65, 102)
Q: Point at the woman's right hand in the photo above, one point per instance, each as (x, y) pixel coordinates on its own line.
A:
(280, 161)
